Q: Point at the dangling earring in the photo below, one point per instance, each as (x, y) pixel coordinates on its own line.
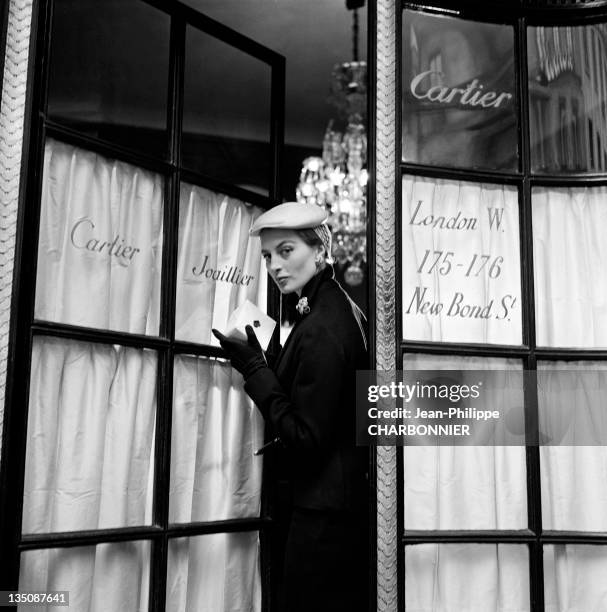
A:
(318, 263)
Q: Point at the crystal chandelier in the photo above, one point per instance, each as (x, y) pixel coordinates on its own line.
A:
(338, 179)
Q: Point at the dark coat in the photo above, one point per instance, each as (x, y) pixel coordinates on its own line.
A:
(309, 399)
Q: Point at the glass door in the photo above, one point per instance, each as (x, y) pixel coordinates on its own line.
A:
(156, 137)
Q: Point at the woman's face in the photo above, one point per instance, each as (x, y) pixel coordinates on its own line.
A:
(289, 260)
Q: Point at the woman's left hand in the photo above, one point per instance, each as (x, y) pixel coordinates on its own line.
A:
(247, 357)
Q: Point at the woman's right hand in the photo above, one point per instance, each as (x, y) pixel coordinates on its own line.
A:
(247, 357)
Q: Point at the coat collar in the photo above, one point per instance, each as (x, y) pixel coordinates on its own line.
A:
(310, 289)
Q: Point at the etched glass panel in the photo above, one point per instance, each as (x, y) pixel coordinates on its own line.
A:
(568, 98)
(459, 103)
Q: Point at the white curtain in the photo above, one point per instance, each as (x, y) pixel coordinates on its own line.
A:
(219, 267)
(100, 247)
(91, 420)
(466, 487)
(480, 578)
(102, 578)
(471, 295)
(569, 262)
(572, 410)
(216, 430)
(90, 436)
(214, 573)
(574, 578)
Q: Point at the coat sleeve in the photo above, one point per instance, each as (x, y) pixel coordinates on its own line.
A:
(306, 416)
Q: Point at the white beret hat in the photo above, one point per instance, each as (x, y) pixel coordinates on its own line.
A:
(290, 215)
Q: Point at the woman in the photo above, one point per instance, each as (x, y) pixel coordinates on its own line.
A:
(308, 398)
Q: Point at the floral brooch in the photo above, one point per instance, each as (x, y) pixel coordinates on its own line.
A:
(302, 306)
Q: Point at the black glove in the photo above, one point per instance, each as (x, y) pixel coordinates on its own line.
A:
(246, 357)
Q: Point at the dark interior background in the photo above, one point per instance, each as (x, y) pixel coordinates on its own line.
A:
(110, 79)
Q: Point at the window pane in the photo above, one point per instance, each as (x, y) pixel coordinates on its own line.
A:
(467, 487)
(568, 98)
(570, 258)
(107, 80)
(219, 265)
(571, 402)
(90, 439)
(460, 262)
(216, 429)
(459, 102)
(470, 577)
(574, 577)
(100, 248)
(106, 577)
(224, 135)
(218, 573)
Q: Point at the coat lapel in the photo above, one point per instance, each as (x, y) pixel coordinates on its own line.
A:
(286, 350)
(310, 290)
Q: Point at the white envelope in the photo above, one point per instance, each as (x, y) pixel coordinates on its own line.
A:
(249, 314)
